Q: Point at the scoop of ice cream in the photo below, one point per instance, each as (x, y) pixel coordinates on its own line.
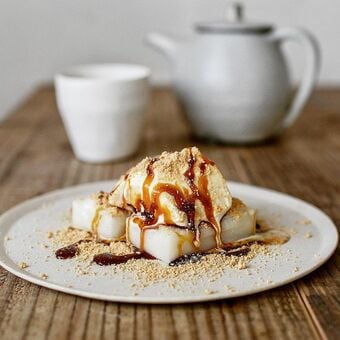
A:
(179, 188)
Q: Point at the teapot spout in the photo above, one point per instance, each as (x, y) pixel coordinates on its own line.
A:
(164, 44)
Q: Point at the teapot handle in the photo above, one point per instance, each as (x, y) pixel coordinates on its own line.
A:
(311, 70)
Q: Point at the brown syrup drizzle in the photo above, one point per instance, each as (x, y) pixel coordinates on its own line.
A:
(148, 205)
(237, 248)
(148, 208)
(107, 259)
(196, 257)
(71, 250)
(67, 252)
(103, 259)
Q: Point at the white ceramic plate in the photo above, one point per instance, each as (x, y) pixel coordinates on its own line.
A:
(23, 232)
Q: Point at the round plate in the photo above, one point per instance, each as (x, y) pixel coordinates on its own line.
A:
(23, 231)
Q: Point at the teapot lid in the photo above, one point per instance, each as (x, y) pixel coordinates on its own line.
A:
(234, 23)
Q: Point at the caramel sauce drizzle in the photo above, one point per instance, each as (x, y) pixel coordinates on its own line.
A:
(148, 205)
(183, 239)
(95, 221)
(97, 215)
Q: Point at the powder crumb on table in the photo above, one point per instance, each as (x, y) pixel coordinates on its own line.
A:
(43, 276)
(308, 235)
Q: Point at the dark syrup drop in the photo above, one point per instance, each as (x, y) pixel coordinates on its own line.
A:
(192, 258)
(196, 257)
(67, 252)
(107, 259)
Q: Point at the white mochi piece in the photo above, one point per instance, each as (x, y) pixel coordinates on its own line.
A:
(83, 212)
(234, 229)
(111, 221)
(110, 226)
(167, 243)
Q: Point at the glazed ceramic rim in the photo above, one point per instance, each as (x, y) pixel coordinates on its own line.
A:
(106, 72)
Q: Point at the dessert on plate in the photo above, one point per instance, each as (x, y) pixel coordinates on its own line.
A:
(167, 207)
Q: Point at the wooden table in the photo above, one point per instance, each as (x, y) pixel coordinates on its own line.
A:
(36, 157)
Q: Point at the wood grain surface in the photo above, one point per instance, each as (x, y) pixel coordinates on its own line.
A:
(35, 157)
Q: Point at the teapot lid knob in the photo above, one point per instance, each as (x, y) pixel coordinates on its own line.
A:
(233, 22)
(234, 12)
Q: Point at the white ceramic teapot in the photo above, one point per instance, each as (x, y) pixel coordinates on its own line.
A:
(232, 78)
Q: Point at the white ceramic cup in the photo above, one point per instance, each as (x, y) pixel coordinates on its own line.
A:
(102, 107)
